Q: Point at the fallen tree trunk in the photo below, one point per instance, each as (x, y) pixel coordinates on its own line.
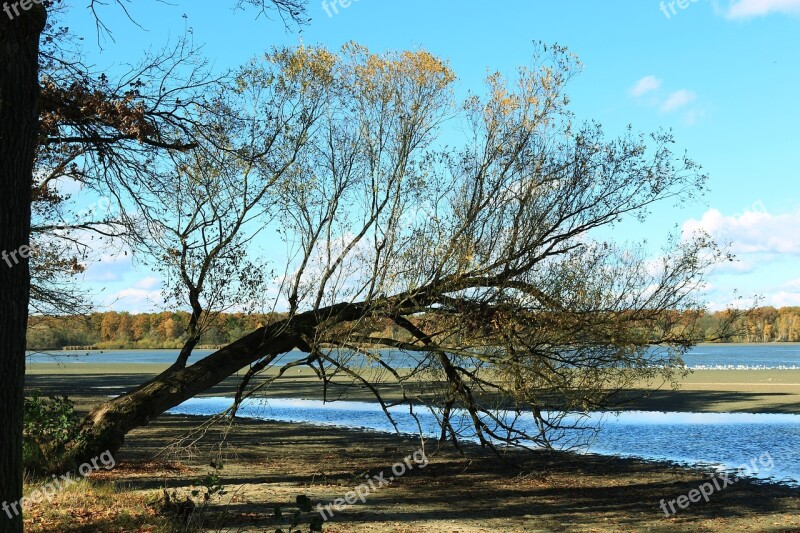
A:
(104, 429)
(106, 426)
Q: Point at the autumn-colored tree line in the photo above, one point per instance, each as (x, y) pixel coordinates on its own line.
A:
(165, 330)
(763, 324)
(114, 330)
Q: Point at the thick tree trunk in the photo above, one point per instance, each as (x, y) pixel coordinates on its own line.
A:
(104, 429)
(19, 125)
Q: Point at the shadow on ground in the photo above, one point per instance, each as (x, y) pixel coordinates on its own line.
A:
(270, 463)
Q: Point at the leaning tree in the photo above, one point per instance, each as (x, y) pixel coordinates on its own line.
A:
(472, 231)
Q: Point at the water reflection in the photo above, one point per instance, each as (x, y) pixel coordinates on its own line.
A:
(721, 440)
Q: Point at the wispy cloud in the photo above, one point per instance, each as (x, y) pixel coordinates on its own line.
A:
(678, 100)
(767, 249)
(134, 300)
(788, 294)
(150, 282)
(649, 90)
(744, 9)
(785, 299)
(693, 116)
(109, 267)
(645, 85)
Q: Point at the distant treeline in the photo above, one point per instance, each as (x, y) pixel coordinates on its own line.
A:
(764, 324)
(112, 330)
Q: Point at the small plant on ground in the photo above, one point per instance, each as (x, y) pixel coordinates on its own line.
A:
(304, 506)
(191, 509)
(50, 423)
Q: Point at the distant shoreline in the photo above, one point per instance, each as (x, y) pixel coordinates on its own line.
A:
(721, 391)
(74, 349)
(772, 343)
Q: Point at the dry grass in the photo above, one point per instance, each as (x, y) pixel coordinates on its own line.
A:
(95, 506)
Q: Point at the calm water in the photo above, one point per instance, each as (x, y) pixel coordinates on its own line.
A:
(728, 356)
(744, 356)
(160, 357)
(721, 441)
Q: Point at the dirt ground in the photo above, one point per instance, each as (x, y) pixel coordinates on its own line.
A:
(268, 464)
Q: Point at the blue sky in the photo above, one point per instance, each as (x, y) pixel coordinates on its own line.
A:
(724, 75)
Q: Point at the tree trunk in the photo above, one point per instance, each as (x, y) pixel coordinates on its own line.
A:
(104, 429)
(19, 130)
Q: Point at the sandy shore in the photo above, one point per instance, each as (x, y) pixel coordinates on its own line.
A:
(269, 464)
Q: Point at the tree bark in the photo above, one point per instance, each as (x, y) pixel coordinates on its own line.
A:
(19, 131)
(104, 429)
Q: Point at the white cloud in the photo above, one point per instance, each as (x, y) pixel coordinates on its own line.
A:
(667, 100)
(738, 266)
(744, 9)
(108, 268)
(753, 231)
(693, 116)
(150, 282)
(785, 295)
(645, 85)
(677, 100)
(785, 299)
(134, 300)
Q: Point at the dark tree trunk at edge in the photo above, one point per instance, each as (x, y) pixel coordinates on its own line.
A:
(19, 120)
